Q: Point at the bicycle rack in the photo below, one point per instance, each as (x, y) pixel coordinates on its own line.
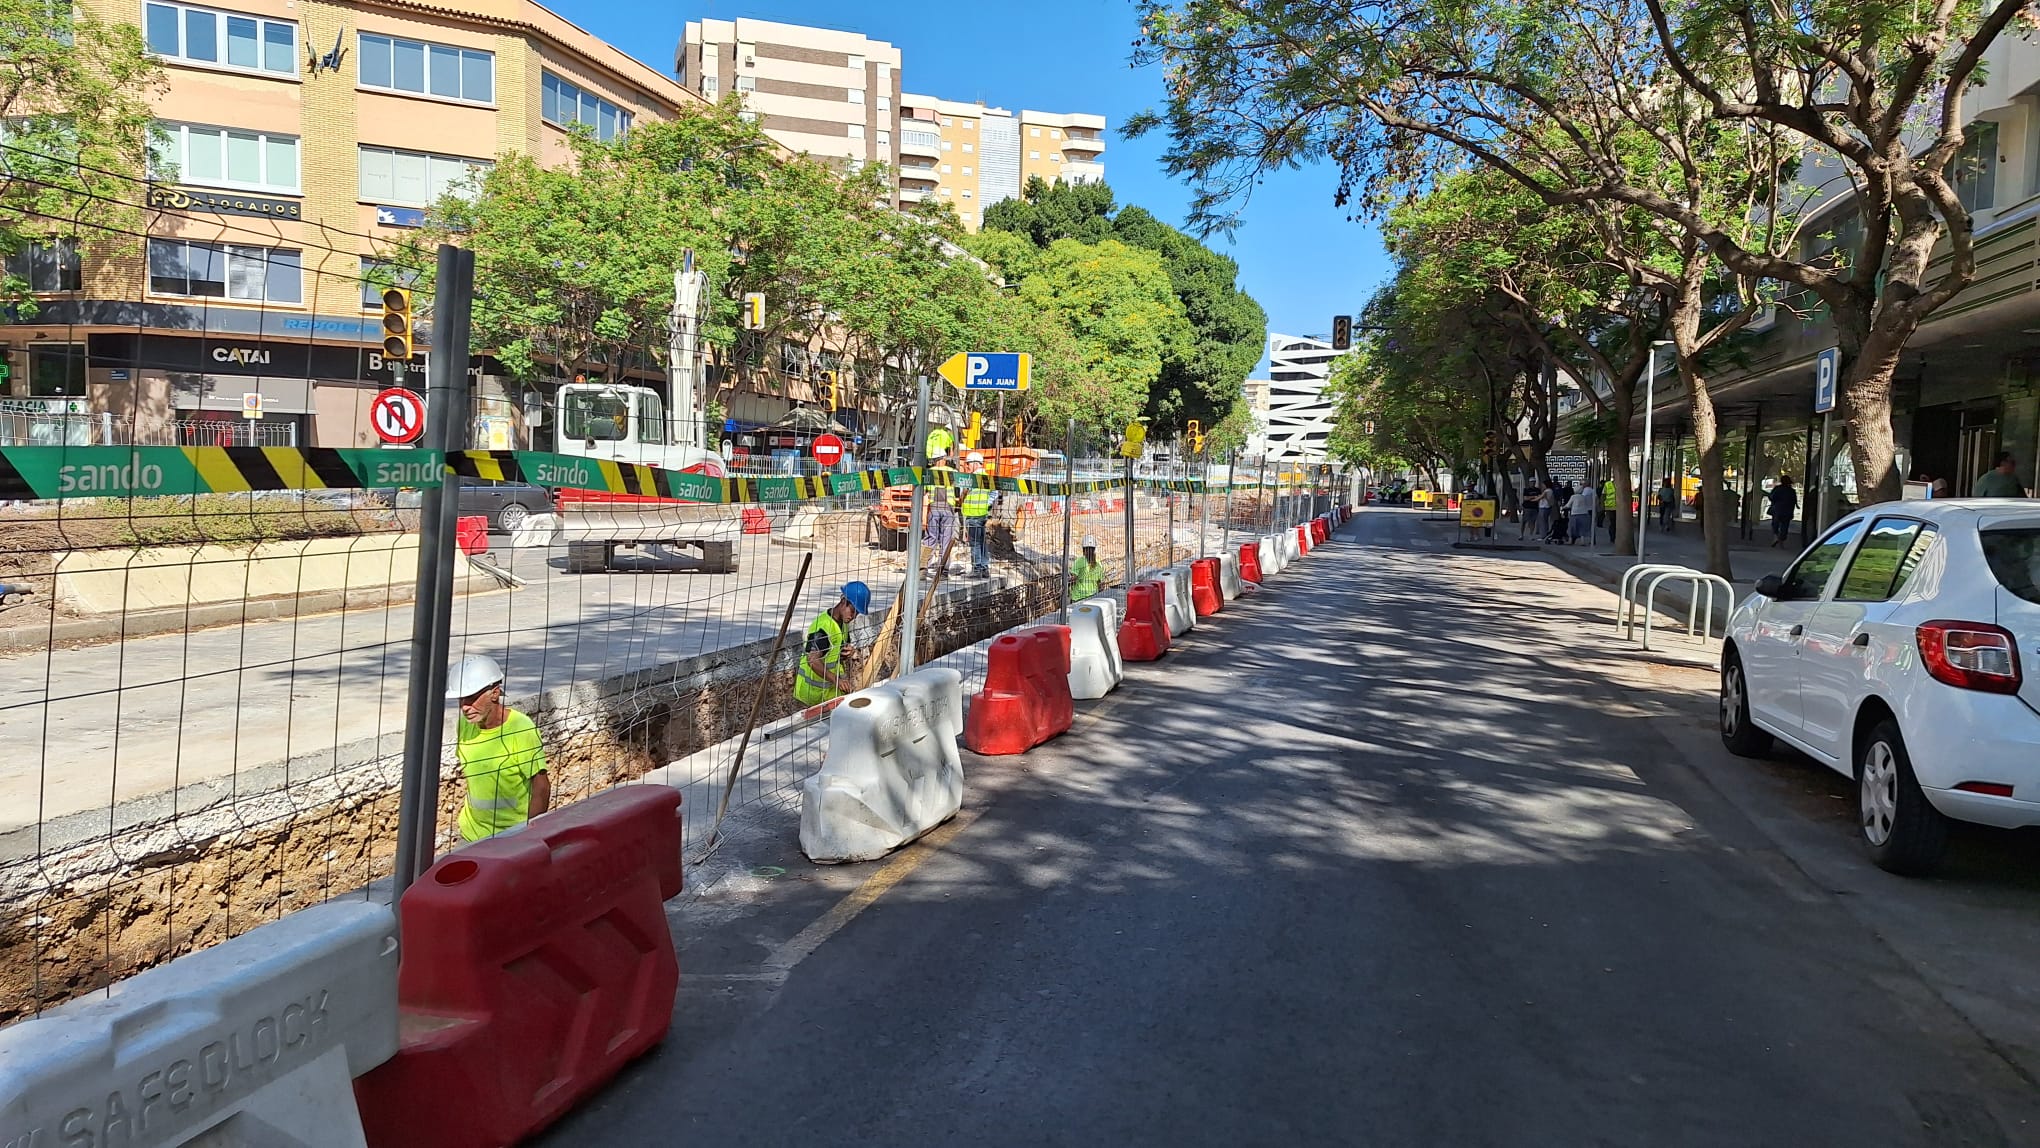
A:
(1632, 583)
(1699, 580)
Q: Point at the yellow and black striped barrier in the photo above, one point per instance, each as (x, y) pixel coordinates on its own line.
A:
(65, 472)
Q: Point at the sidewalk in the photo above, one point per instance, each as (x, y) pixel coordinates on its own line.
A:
(1684, 544)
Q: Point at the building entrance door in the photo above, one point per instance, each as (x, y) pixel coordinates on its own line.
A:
(1976, 444)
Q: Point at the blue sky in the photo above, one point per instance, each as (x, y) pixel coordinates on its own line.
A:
(1298, 254)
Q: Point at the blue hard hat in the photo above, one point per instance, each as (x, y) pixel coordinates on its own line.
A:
(858, 595)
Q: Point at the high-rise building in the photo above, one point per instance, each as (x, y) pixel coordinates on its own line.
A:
(971, 155)
(1300, 415)
(1256, 392)
(833, 95)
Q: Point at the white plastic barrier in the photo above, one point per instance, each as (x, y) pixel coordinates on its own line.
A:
(253, 1041)
(1286, 545)
(1271, 556)
(1095, 668)
(536, 532)
(1229, 575)
(892, 772)
(1177, 602)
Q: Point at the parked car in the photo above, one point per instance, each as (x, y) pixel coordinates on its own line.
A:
(1889, 652)
(505, 504)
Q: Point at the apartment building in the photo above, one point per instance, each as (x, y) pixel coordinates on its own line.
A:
(1968, 384)
(302, 134)
(1299, 413)
(829, 94)
(971, 155)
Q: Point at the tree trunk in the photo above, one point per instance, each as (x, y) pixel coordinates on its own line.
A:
(1865, 401)
(1684, 324)
(1623, 407)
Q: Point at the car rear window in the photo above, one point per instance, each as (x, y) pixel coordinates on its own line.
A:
(1885, 561)
(2014, 558)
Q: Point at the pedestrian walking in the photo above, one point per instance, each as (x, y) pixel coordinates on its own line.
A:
(1527, 517)
(820, 675)
(1545, 508)
(502, 759)
(2000, 481)
(1784, 502)
(1667, 504)
(1608, 507)
(1582, 516)
(1087, 575)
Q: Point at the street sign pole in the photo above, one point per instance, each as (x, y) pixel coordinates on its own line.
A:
(1129, 520)
(1232, 461)
(1069, 481)
(1827, 370)
(1204, 500)
(910, 610)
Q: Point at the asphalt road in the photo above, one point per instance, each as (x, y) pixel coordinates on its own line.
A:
(1390, 854)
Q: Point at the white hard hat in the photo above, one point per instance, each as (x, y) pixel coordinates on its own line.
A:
(472, 675)
(1090, 542)
(975, 456)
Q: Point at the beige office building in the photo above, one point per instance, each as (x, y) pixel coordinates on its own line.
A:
(971, 156)
(830, 94)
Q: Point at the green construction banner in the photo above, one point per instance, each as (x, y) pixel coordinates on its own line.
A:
(37, 472)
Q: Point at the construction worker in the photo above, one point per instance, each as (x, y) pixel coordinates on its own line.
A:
(820, 675)
(1086, 575)
(939, 442)
(941, 527)
(977, 509)
(499, 752)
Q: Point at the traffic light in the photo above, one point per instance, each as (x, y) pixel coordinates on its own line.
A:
(754, 311)
(1487, 445)
(835, 396)
(1342, 332)
(1196, 436)
(1367, 427)
(396, 324)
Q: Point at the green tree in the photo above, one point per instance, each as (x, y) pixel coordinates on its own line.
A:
(74, 99)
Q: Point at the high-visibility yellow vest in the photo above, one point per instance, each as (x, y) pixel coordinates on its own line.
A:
(498, 765)
(939, 441)
(807, 688)
(1608, 495)
(1085, 577)
(977, 502)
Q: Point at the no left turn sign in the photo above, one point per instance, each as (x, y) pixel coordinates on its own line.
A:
(398, 415)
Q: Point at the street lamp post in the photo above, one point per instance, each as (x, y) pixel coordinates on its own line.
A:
(1649, 406)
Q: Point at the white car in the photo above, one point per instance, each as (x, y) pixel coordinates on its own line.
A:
(1890, 652)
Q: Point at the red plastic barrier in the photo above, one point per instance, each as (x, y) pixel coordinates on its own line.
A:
(756, 521)
(1144, 636)
(1026, 699)
(1204, 592)
(471, 533)
(536, 964)
(1250, 562)
(1320, 531)
(1303, 539)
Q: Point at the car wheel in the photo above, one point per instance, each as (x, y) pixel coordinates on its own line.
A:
(1738, 732)
(511, 517)
(1903, 831)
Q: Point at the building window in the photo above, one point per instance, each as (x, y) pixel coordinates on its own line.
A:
(747, 83)
(970, 125)
(921, 139)
(708, 86)
(224, 271)
(1056, 156)
(376, 275)
(945, 146)
(47, 265)
(945, 169)
(220, 39)
(748, 116)
(416, 179)
(855, 95)
(1033, 155)
(885, 139)
(945, 191)
(1034, 132)
(884, 104)
(561, 104)
(1975, 166)
(1054, 134)
(966, 171)
(422, 69)
(969, 147)
(854, 131)
(56, 371)
(225, 157)
(966, 193)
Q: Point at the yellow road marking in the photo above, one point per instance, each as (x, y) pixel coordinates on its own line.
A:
(786, 956)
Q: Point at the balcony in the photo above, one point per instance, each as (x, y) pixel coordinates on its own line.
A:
(915, 141)
(1083, 173)
(1086, 145)
(917, 173)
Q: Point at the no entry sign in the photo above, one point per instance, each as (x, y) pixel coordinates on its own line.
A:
(828, 449)
(398, 415)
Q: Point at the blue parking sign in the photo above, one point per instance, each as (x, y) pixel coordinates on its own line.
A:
(1827, 370)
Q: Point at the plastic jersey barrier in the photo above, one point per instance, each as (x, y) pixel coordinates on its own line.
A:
(1303, 539)
(1144, 635)
(1026, 697)
(892, 771)
(1204, 591)
(1250, 562)
(1176, 606)
(1229, 575)
(536, 964)
(1095, 668)
(254, 1040)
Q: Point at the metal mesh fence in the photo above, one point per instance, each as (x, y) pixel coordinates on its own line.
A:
(206, 687)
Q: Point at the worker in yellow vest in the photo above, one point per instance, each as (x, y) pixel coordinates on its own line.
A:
(499, 752)
(977, 510)
(820, 675)
(939, 443)
(1087, 574)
